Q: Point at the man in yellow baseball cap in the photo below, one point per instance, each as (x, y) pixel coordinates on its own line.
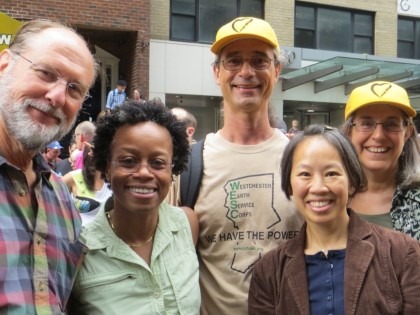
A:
(240, 193)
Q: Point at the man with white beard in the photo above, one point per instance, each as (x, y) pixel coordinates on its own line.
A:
(45, 76)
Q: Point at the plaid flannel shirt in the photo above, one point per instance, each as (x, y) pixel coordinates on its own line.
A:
(39, 247)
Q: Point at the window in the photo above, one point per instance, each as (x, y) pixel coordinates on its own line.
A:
(333, 29)
(199, 20)
(408, 32)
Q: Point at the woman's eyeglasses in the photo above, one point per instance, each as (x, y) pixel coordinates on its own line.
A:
(369, 125)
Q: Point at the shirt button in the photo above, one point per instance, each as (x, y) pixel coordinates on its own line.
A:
(156, 295)
(329, 297)
(22, 192)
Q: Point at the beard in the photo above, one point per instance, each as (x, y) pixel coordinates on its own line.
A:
(31, 134)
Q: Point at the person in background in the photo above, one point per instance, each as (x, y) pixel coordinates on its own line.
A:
(339, 264)
(42, 88)
(282, 125)
(276, 121)
(241, 214)
(83, 133)
(137, 97)
(190, 126)
(379, 122)
(294, 130)
(142, 258)
(189, 120)
(117, 96)
(88, 188)
(51, 154)
(65, 165)
(75, 154)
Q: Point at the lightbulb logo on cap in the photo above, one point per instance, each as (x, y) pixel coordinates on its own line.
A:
(380, 89)
(240, 24)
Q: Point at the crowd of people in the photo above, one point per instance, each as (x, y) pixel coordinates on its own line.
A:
(312, 221)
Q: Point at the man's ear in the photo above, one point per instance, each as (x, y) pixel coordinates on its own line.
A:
(5, 58)
(216, 71)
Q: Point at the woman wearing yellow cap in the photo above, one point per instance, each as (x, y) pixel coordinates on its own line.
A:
(379, 123)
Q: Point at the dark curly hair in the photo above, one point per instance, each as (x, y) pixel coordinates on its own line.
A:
(131, 113)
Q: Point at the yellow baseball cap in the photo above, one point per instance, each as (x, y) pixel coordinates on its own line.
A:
(379, 92)
(244, 27)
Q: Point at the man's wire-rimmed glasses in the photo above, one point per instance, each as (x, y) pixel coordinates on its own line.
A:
(235, 63)
(48, 74)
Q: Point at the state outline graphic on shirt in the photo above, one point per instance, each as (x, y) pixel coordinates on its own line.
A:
(240, 203)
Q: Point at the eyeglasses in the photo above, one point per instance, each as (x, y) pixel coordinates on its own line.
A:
(369, 125)
(256, 62)
(130, 165)
(47, 74)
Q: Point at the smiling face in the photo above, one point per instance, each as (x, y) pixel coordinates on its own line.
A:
(35, 109)
(246, 89)
(144, 190)
(379, 150)
(319, 182)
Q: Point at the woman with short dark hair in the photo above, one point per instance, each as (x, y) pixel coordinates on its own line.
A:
(142, 257)
(339, 264)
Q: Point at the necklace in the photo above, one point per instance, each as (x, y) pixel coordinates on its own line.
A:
(108, 216)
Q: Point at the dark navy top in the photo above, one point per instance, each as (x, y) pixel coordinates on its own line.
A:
(326, 282)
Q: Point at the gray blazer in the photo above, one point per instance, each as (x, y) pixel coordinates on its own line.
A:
(381, 274)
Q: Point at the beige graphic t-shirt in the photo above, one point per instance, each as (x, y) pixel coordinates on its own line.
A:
(243, 213)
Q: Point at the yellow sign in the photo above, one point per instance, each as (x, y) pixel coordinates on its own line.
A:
(8, 29)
